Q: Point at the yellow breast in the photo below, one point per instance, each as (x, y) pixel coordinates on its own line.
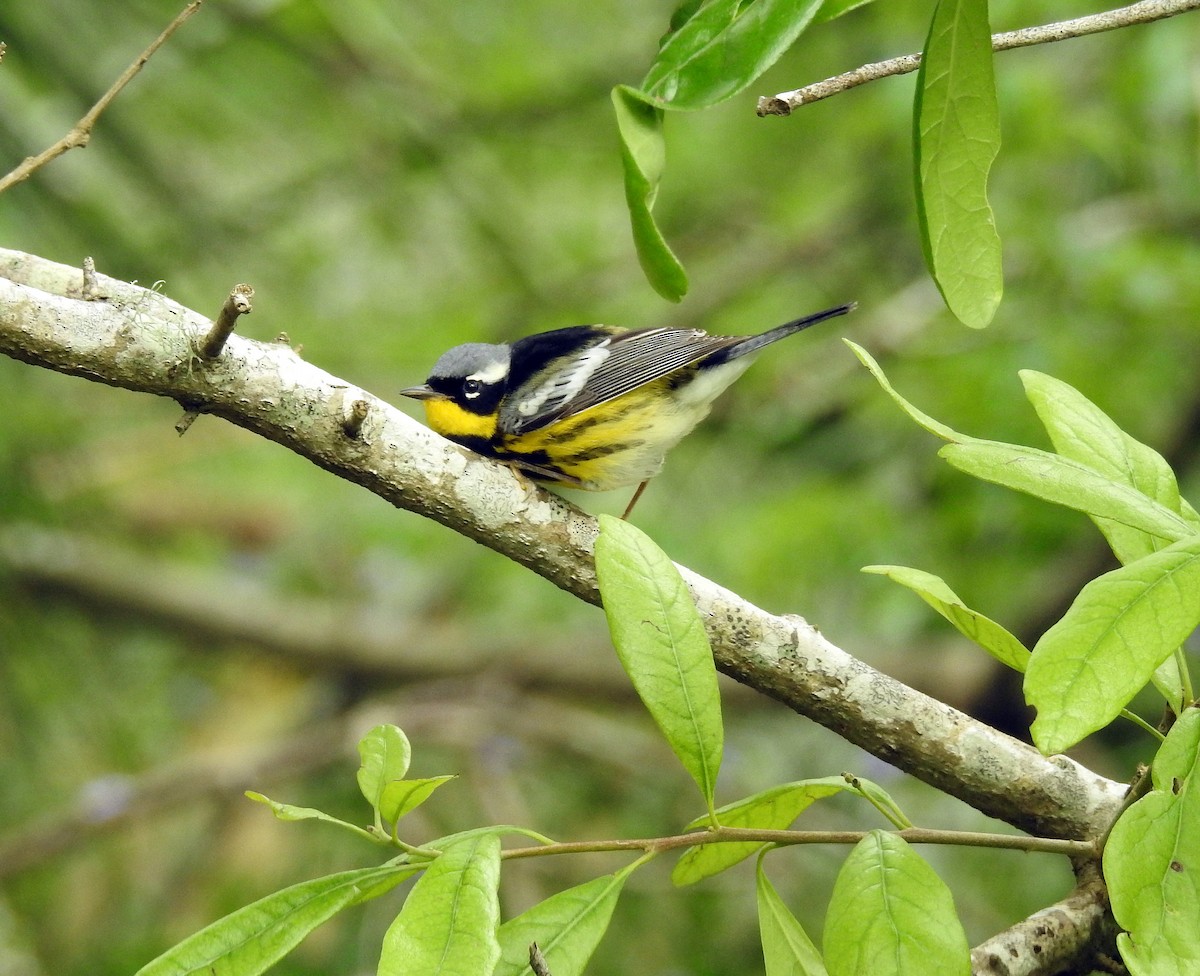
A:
(451, 420)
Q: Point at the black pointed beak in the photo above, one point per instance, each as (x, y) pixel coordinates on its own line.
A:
(423, 392)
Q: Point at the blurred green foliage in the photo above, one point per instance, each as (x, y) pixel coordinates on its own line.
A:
(395, 178)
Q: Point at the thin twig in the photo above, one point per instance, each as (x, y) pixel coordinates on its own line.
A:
(1144, 12)
(740, 835)
(238, 303)
(78, 137)
(354, 416)
(91, 288)
(184, 423)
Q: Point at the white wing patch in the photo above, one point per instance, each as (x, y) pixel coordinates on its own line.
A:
(565, 382)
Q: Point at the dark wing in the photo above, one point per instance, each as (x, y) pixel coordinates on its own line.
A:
(604, 372)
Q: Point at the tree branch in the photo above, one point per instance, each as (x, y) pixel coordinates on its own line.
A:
(1144, 12)
(1055, 938)
(81, 132)
(142, 341)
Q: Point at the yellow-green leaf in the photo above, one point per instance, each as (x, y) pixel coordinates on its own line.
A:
(956, 135)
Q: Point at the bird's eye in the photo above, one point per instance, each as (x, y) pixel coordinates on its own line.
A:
(472, 388)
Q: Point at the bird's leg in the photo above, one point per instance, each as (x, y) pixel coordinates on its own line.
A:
(633, 501)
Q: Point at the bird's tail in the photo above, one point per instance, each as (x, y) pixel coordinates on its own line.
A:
(755, 343)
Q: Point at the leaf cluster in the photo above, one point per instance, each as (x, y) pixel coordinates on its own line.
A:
(715, 50)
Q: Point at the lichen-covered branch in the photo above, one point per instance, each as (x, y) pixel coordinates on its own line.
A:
(139, 340)
(1051, 940)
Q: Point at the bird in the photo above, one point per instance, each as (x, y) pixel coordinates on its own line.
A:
(596, 407)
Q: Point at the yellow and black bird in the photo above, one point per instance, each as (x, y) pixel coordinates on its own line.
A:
(592, 406)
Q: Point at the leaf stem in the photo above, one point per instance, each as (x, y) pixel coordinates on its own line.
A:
(1142, 724)
(411, 849)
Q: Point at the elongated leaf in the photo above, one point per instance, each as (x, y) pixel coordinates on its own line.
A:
(1103, 651)
(662, 645)
(787, 949)
(1065, 482)
(1083, 432)
(643, 156)
(922, 419)
(288, 812)
(985, 632)
(567, 928)
(772, 809)
(723, 47)
(254, 938)
(1152, 862)
(385, 755)
(447, 926)
(402, 796)
(890, 915)
(956, 135)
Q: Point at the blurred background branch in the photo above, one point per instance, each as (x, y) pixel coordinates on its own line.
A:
(81, 132)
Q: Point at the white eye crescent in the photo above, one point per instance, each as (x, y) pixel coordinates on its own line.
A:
(472, 388)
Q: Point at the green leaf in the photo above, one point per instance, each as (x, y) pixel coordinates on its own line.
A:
(832, 9)
(787, 949)
(662, 645)
(254, 938)
(890, 914)
(1065, 482)
(289, 813)
(385, 755)
(985, 632)
(567, 928)
(643, 156)
(447, 926)
(1083, 432)
(1103, 651)
(722, 48)
(1152, 862)
(773, 809)
(935, 427)
(956, 135)
(402, 796)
